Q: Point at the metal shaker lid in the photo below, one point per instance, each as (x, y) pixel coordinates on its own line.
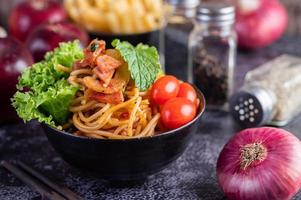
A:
(252, 106)
(216, 12)
(184, 3)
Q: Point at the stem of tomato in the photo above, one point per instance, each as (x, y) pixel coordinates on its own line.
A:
(251, 154)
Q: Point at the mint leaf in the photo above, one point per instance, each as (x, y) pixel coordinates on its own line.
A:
(143, 61)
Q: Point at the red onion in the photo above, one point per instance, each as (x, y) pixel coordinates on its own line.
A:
(29, 14)
(48, 36)
(14, 58)
(260, 164)
(260, 22)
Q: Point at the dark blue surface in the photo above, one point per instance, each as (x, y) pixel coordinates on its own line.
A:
(192, 176)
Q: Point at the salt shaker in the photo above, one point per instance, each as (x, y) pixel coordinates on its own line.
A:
(271, 94)
(212, 53)
(178, 27)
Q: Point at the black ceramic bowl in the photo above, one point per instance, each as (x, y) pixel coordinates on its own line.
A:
(124, 160)
(150, 38)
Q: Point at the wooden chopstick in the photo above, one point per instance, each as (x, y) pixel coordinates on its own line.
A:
(64, 191)
(35, 184)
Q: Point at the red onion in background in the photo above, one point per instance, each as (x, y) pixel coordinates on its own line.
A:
(14, 58)
(27, 15)
(260, 164)
(48, 36)
(260, 22)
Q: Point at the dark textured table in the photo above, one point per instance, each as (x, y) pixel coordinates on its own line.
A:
(192, 176)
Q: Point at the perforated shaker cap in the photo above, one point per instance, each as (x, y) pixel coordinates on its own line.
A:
(184, 3)
(252, 106)
(216, 12)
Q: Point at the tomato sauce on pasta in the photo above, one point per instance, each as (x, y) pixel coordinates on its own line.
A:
(108, 105)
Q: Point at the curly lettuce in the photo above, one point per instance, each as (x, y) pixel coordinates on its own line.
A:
(48, 94)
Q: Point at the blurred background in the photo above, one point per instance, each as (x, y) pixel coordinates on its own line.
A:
(174, 27)
(294, 11)
(293, 7)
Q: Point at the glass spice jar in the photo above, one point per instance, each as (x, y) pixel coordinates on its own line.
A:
(271, 94)
(212, 53)
(178, 27)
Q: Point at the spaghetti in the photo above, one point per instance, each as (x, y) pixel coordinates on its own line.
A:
(108, 105)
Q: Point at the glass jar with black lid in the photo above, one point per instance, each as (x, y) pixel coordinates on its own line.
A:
(178, 27)
(212, 53)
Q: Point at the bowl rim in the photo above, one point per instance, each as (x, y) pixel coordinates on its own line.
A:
(164, 134)
(96, 33)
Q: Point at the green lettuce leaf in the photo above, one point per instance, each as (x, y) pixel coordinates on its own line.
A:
(57, 99)
(47, 106)
(143, 61)
(44, 74)
(50, 95)
(66, 54)
(27, 108)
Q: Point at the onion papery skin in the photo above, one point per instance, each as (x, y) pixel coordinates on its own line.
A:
(276, 177)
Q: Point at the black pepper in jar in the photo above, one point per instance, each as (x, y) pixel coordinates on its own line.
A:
(212, 53)
(211, 78)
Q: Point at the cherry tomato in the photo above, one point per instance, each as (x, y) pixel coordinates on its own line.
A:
(164, 88)
(188, 92)
(176, 112)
